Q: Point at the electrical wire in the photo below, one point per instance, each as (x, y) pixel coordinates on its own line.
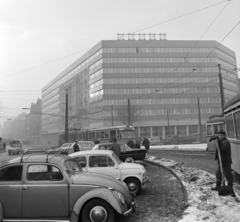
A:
(111, 40)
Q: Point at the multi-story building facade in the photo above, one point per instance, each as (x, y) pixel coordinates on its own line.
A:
(33, 123)
(162, 79)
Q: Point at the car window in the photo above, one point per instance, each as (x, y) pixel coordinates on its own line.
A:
(13, 173)
(82, 160)
(100, 161)
(43, 172)
(64, 145)
(125, 147)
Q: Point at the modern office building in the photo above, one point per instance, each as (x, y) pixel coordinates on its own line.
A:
(161, 79)
(33, 123)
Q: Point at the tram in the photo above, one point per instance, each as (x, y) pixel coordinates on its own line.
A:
(121, 133)
(232, 122)
(213, 126)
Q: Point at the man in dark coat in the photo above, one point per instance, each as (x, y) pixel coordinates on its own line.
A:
(76, 147)
(146, 143)
(115, 147)
(225, 151)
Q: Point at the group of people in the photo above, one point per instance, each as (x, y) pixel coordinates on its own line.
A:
(145, 143)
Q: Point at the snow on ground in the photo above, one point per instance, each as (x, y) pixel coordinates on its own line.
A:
(203, 203)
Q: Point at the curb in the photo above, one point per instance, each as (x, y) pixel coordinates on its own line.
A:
(174, 174)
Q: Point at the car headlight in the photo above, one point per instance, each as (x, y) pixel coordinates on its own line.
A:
(144, 173)
(121, 198)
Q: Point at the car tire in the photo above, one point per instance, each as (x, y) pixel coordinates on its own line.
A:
(134, 186)
(129, 160)
(107, 210)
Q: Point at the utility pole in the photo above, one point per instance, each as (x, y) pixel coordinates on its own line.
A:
(129, 113)
(66, 118)
(199, 121)
(168, 124)
(112, 114)
(221, 87)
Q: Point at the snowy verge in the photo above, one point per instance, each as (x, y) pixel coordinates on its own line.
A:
(203, 203)
(190, 147)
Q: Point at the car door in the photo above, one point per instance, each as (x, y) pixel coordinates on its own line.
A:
(103, 164)
(45, 192)
(11, 183)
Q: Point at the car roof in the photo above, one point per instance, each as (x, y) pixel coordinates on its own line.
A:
(37, 158)
(90, 152)
(109, 143)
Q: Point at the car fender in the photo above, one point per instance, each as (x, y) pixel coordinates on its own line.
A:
(1, 212)
(104, 194)
(139, 177)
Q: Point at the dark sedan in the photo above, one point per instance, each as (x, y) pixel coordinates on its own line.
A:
(127, 154)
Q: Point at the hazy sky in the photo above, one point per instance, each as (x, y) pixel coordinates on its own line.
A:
(40, 38)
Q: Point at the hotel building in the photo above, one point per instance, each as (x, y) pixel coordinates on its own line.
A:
(161, 79)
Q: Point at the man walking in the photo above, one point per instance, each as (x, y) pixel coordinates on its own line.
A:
(225, 151)
(115, 147)
(146, 143)
(76, 147)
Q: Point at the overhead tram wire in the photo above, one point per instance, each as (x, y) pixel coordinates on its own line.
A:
(200, 62)
(111, 40)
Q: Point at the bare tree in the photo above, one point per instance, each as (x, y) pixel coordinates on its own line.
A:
(123, 114)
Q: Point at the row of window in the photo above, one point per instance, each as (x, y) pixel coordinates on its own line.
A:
(45, 103)
(166, 50)
(160, 90)
(100, 61)
(158, 60)
(232, 67)
(153, 112)
(156, 80)
(160, 101)
(51, 106)
(161, 80)
(230, 92)
(46, 95)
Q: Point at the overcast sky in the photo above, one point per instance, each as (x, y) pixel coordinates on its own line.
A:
(40, 38)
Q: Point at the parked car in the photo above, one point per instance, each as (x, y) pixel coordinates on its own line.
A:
(45, 186)
(56, 151)
(15, 147)
(83, 145)
(127, 154)
(107, 162)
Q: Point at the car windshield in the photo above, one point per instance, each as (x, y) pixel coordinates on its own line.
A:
(116, 158)
(125, 147)
(72, 166)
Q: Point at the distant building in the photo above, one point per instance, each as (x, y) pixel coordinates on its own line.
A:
(162, 78)
(14, 128)
(33, 123)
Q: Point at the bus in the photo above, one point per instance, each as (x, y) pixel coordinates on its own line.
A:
(213, 126)
(106, 134)
(232, 122)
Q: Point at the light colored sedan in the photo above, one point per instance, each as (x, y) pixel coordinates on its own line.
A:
(106, 162)
(83, 145)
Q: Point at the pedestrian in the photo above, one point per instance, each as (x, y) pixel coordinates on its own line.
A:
(137, 145)
(130, 143)
(96, 141)
(115, 147)
(146, 143)
(76, 147)
(225, 151)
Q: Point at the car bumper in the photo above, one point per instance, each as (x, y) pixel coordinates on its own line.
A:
(131, 210)
(145, 180)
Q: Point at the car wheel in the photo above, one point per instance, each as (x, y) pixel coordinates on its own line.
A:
(129, 160)
(134, 185)
(97, 210)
